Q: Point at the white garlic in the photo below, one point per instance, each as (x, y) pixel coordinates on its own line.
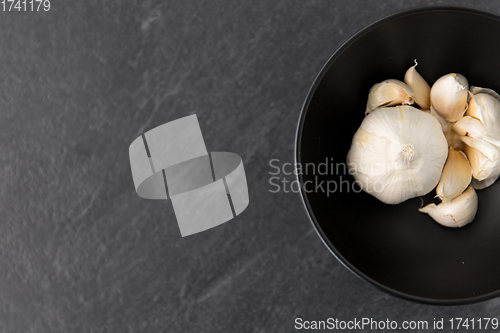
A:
(484, 160)
(449, 96)
(419, 86)
(469, 126)
(474, 109)
(455, 213)
(388, 93)
(481, 130)
(456, 176)
(486, 148)
(486, 108)
(398, 153)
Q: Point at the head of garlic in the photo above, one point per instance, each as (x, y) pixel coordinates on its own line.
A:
(449, 96)
(388, 93)
(398, 153)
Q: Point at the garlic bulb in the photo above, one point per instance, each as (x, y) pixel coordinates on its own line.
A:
(456, 176)
(419, 86)
(398, 153)
(455, 213)
(449, 96)
(388, 93)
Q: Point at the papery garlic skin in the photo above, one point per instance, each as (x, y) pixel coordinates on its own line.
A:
(449, 96)
(479, 90)
(419, 86)
(455, 213)
(456, 176)
(388, 93)
(398, 153)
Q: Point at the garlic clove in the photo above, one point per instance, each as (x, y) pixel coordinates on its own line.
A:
(486, 108)
(486, 148)
(419, 86)
(491, 140)
(455, 213)
(490, 114)
(456, 176)
(469, 126)
(449, 96)
(483, 168)
(397, 153)
(474, 109)
(388, 93)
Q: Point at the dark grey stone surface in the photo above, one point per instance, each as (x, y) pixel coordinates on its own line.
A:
(81, 252)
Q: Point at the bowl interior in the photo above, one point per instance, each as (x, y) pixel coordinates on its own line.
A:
(395, 247)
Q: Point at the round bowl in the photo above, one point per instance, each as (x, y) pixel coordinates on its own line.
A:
(396, 248)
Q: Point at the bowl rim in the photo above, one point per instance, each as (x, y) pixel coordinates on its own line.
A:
(297, 154)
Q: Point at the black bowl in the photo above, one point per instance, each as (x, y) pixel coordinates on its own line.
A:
(396, 248)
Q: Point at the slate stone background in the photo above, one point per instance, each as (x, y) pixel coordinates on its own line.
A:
(81, 252)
